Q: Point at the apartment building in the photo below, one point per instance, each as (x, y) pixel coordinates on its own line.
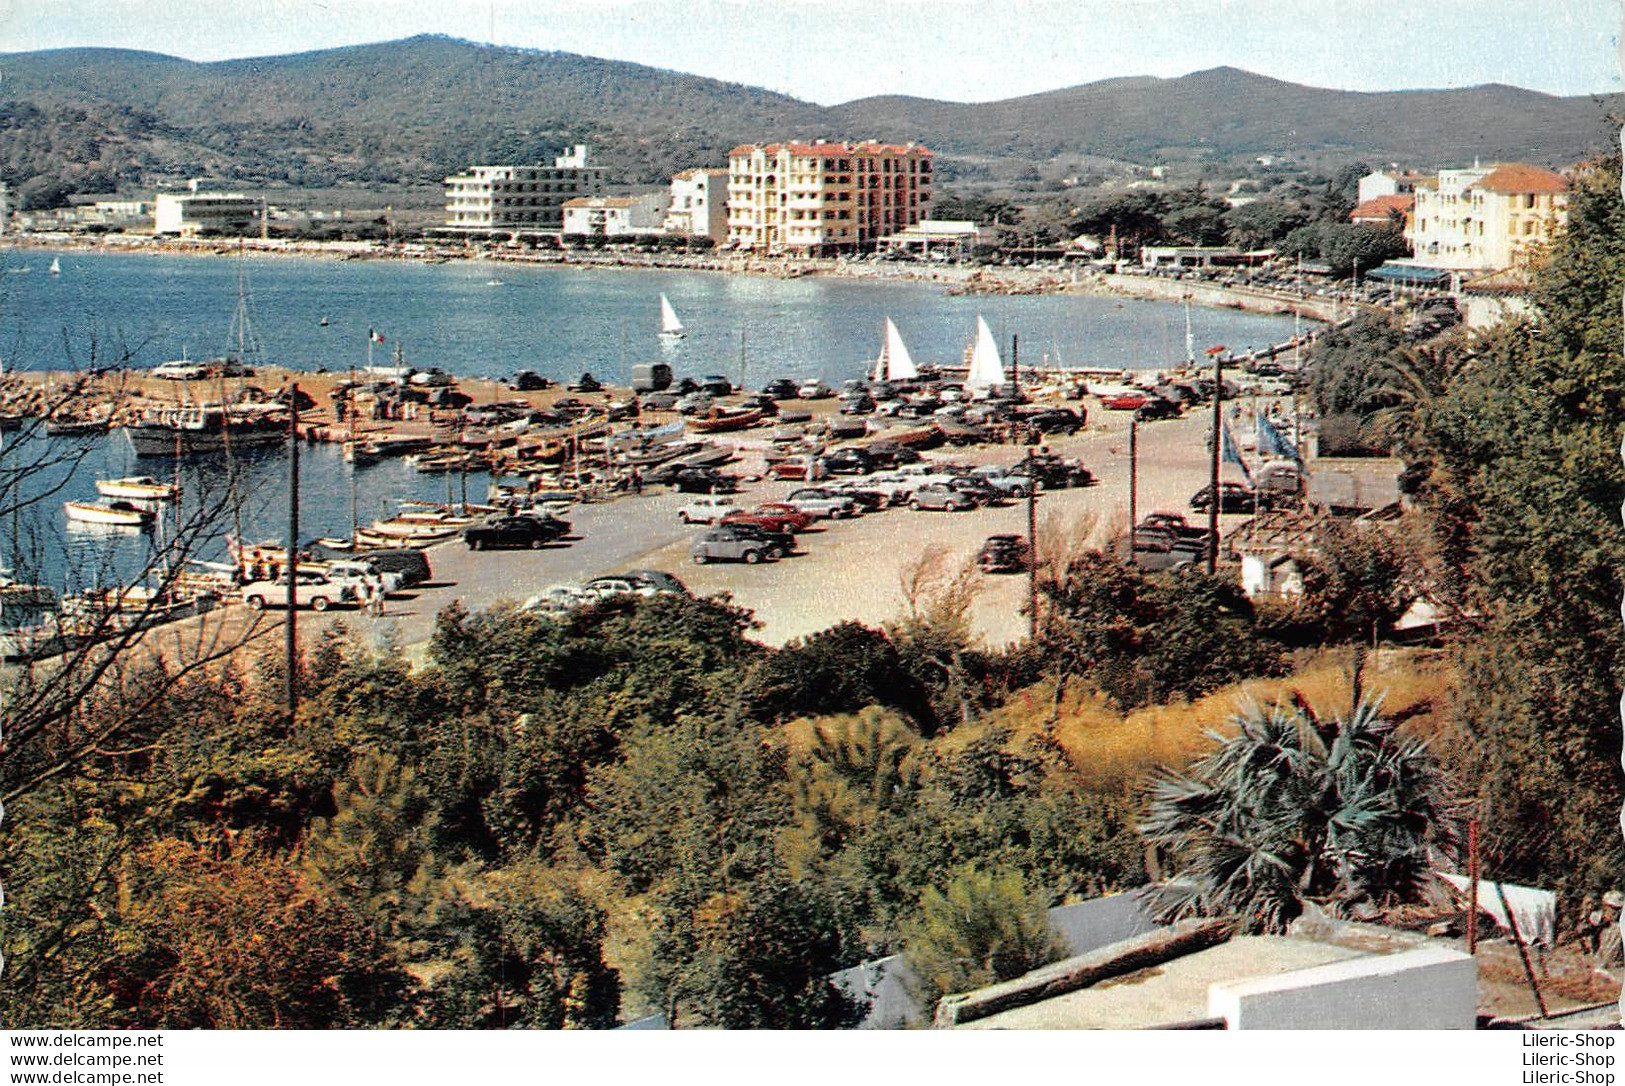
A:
(517, 200)
(1486, 217)
(699, 205)
(820, 198)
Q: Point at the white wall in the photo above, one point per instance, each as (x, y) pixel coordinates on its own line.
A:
(1430, 987)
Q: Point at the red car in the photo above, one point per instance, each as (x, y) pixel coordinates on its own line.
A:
(774, 516)
(1125, 401)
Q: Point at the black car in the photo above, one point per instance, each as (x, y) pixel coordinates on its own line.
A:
(533, 532)
(860, 404)
(781, 388)
(703, 481)
(716, 385)
(1053, 473)
(1156, 408)
(978, 488)
(849, 461)
(774, 544)
(1233, 498)
(1056, 420)
(411, 563)
(1004, 554)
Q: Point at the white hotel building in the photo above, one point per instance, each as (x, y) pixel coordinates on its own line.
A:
(819, 198)
(516, 200)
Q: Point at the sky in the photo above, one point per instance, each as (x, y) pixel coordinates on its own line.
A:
(830, 51)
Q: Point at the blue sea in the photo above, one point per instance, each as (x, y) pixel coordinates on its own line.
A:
(477, 319)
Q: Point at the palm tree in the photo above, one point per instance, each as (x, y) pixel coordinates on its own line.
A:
(1291, 809)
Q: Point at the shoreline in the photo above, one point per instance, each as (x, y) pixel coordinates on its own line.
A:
(954, 278)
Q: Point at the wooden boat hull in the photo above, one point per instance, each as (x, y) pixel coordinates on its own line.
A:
(112, 516)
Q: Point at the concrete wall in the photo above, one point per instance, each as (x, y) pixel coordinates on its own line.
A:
(1430, 987)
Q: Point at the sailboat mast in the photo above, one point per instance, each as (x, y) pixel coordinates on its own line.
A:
(291, 566)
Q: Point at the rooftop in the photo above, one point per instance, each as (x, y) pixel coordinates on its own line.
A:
(1521, 178)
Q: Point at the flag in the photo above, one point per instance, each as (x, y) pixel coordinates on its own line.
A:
(1228, 451)
(376, 337)
(1272, 442)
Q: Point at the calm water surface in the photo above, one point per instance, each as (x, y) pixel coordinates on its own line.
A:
(482, 320)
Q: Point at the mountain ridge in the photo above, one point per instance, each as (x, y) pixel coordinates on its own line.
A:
(414, 110)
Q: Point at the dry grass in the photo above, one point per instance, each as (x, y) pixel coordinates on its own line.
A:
(1110, 748)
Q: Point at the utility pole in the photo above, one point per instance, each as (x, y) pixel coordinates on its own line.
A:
(1133, 484)
(1015, 363)
(1032, 549)
(1217, 354)
(291, 566)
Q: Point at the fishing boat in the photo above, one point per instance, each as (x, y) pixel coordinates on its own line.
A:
(141, 488)
(895, 363)
(202, 429)
(119, 514)
(670, 327)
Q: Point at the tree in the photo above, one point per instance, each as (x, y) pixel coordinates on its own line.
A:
(1291, 809)
(982, 926)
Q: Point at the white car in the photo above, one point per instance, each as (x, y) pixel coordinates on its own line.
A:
(813, 389)
(359, 574)
(313, 590)
(706, 509)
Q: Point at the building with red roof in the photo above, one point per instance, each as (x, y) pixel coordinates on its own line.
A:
(1488, 217)
(820, 197)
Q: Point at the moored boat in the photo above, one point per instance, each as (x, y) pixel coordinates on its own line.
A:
(119, 514)
(723, 420)
(138, 488)
(203, 429)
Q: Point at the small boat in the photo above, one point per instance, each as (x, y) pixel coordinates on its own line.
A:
(56, 266)
(723, 419)
(895, 363)
(495, 283)
(15, 594)
(75, 427)
(322, 323)
(119, 514)
(142, 488)
(670, 327)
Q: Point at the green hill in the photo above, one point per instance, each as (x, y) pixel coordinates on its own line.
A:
(412, 111)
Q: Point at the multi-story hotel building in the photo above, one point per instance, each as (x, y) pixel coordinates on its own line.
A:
(818, 198)
(519, 200)
(1487, 217)
(201, 211)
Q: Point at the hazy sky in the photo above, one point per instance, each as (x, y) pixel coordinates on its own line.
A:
(831, 51)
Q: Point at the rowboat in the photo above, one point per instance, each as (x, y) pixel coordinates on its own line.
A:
(142, 488)
(119, 514)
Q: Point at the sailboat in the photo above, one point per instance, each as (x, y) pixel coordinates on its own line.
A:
(670, 327)
(986, 367)
(56, 266)
(895, 363)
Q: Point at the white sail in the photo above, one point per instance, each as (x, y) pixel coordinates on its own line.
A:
(899, 363)
(986, 367)
(56, 266)
(669, 324)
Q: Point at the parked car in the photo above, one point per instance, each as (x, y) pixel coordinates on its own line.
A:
(778, 544)
(787, 520)
(823, 503)
(362, 576)
(664, 583)
(1174, 524)
(312, 589)
(1004, 554)
(693, 403)
(1233, 498)
(716, 384)
(659, 401)
(558, 598)
(941, 496)
(729, 544)
(1003, 479)
(180, 370)
(532, 532)
(977, 489)
(849, 461)
(1156, 408)
(1157, 549)
(813, 389)
(706, 510)
(611, 584)
(691, 480)
(860, 404)
(1053, 473)
(411, 564)
(780, 388)
(1124, 401)
(1051, 420)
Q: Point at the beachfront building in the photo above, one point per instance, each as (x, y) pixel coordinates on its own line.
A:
(519, 200)
(1380, 183)
(820, 198)
(616, 216)
(1486, 217)
(699, 205)
(199, 211)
